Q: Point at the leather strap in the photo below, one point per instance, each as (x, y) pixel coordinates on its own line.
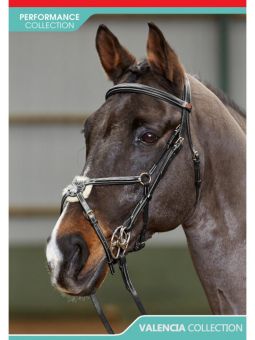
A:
(131, 289)
(101, 314)
(140, 243)
(93, 221)
(114, 180)
(165, 161)
(149, 91)
(129, 285)
(185, 128)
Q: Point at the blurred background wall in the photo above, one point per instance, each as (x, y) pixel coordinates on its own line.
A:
(56, 80)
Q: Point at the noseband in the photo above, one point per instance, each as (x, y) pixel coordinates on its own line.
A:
(81, 186)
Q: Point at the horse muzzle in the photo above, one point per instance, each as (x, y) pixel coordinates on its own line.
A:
(67, 259)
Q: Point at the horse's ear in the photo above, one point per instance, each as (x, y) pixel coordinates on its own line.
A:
(162, 57)
(115, 58)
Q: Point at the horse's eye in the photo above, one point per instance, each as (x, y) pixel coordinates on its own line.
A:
(149, 138)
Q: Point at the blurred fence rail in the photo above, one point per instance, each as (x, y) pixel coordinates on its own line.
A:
(42, 118)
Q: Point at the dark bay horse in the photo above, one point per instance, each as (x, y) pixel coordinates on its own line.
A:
(124, 137)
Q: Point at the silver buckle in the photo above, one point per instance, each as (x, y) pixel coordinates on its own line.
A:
(195, 155)
(179, 142)
(119, 242)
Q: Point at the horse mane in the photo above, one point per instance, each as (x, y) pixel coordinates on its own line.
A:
(136, 71)
(225, 99)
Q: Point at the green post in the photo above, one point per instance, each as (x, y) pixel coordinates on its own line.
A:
(224, 53)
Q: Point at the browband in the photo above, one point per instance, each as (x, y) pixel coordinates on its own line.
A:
(149, 91)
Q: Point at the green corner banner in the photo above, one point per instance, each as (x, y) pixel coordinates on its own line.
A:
(168, 327)
(61, 19)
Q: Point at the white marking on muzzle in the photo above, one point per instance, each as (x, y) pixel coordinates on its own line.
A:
(53, 253)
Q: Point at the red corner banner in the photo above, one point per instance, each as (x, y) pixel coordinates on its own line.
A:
(127, 3)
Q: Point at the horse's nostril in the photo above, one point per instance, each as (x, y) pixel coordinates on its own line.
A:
(76, 253)
(74, 249)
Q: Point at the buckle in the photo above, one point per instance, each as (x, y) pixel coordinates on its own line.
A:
(91, 216)
(179, 142)
(196, 157)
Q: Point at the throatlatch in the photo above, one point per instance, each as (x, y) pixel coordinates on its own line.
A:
(81, 186)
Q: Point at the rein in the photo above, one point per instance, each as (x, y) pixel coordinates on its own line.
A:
(81, 186)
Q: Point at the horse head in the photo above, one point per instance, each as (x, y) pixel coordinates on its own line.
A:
(124, 137)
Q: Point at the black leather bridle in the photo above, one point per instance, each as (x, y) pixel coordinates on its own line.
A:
(116, 250)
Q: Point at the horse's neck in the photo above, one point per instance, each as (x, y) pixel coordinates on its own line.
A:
(216, 231)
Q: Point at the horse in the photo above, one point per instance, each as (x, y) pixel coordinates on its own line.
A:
(134, 129)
